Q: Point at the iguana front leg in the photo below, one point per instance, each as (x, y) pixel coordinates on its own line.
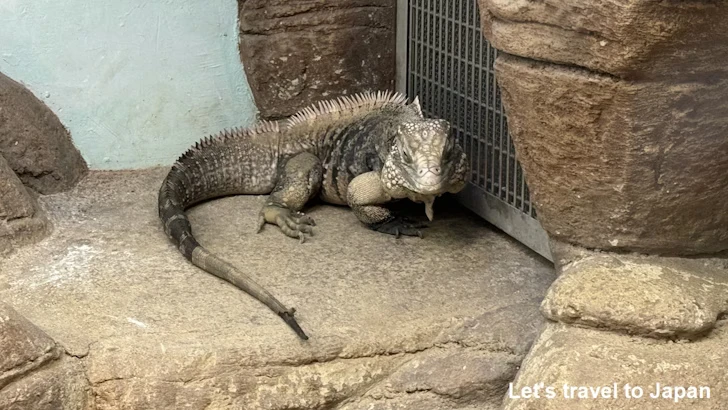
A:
(366, 195)
(300, 180)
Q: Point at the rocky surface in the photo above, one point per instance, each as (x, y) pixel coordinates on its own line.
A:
(627, 321)
(21, 221)
(17, 202)
(35, 373)
(441, 322)
(35, 143)
(296, 53)
(62, 385)
(618, 114)
(651, 296)
(586, 358)
(25, 347)
(621, 165)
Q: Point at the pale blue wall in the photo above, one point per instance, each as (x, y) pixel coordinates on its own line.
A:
(135, 82)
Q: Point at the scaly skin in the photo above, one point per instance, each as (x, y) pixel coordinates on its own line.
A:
(362, 151)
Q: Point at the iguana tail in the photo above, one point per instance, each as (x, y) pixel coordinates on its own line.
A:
(202, 173)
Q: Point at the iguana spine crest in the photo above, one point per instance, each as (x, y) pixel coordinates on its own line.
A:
(261, 127)
(346, 104)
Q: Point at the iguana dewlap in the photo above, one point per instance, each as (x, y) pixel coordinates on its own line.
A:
(362, 151)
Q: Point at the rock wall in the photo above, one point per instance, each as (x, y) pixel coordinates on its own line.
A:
(630, 320)
(299, 52)
(621, 165)
(35, 151)
(620, 118)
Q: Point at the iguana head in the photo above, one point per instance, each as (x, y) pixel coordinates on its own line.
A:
(424, 162)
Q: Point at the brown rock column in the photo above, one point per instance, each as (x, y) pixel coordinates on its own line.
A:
(619, 114)
(299, 52)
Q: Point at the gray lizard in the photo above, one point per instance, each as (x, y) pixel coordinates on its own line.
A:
(363, 151)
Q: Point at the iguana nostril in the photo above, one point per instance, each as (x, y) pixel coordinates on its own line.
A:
(434, 169)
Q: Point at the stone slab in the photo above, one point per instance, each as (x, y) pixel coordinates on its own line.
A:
(157, 332)
(24, 347)
(59, 386)
(658, 297)
(580, 357)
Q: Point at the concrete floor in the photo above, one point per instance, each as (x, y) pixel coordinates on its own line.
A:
(111, 288)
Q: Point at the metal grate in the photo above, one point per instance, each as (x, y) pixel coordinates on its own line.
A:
(449, 65)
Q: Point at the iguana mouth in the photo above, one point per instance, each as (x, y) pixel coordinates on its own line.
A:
(433, 184)
(432, 189)
(429, 180)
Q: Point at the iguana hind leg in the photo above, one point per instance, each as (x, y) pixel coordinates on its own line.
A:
(300, 179)
(366, 196)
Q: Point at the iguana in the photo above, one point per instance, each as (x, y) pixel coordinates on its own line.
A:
(362, 150)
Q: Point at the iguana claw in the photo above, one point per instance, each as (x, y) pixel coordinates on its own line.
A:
(261, 222)
(304, 219)
(398, 226)
(292, 223)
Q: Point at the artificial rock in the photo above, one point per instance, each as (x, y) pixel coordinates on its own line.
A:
(35, 143)
(296, 53)
(435, 323)
(618, 114)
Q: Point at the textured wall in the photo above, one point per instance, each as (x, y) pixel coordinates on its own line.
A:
(298, 52)
(134, 81)
(619, 115)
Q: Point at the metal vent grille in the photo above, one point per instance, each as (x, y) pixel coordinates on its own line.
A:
(449, 65)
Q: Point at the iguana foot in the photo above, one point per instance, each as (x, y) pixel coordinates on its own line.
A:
(292, 223)
(399, 225)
